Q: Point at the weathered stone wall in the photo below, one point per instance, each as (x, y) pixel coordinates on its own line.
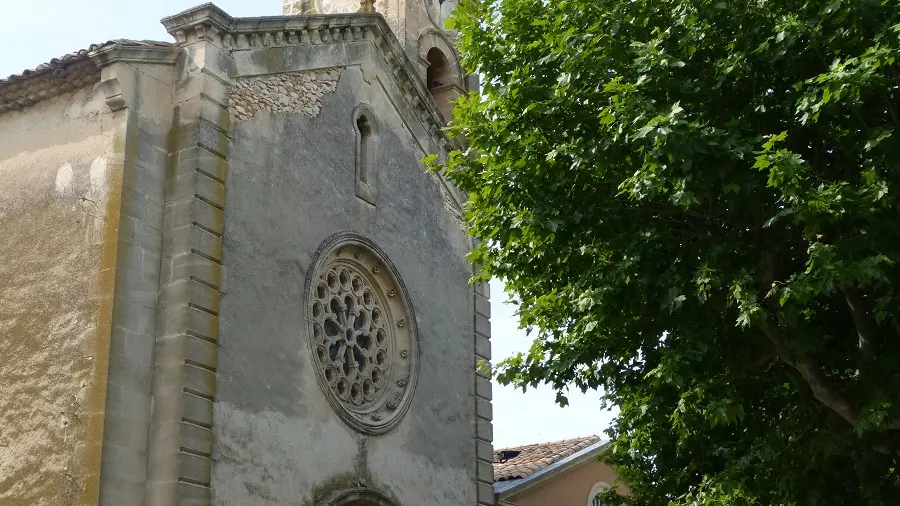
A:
(56, 192)
(296, 92)
(291, 186)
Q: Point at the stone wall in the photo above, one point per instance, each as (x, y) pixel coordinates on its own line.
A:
(290, 187)
(297, 92)
(55, 199)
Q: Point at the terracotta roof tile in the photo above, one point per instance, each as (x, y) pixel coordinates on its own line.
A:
(509, 465)
(58, 66)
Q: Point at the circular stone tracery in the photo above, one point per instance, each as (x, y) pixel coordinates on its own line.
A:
(362, 340)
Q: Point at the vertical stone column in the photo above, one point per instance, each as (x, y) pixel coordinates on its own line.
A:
(191, 274)
(484, 430)
(136, 80)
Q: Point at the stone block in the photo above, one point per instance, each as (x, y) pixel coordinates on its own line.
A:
(483, 388)
(189, 211)
(145, 176)
(482, 305)
(125, 431)
(484, 471)
(128, 463)
(195, 157)
(482, 326)
(207, 109)
(137, 348)
(195, 467)
(196, 83)
(190, 494)
(197, 438)
(133, 316)
(482, 347)
(197, 184)
(118, 489)
(193, 266)
(200, 351)
(179, 320)
(199, 380)
(198, 410)
(141, 206)
(484, 450)
(188, 238)
(484, 429)
(485, 492)
(483, 409)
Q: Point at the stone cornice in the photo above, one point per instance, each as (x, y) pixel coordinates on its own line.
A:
(202, 18)
(116, 52)
(210, 23)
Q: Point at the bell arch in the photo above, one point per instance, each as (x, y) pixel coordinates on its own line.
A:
(443, 75)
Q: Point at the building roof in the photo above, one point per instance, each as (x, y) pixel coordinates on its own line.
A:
(57, 66)
(520, 462)
(69, 71)
(520, 467)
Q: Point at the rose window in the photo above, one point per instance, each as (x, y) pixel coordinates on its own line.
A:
(362, 338)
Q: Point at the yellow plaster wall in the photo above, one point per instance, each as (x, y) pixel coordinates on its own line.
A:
(570, 488)
(60, 188)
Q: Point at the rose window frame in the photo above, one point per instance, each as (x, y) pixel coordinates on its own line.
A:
(362, 335)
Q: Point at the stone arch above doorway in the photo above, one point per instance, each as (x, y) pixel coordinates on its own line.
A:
(357, 497)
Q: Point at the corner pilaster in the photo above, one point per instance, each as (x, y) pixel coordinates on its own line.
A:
(191, 275)
(484, 414)
(136, 78)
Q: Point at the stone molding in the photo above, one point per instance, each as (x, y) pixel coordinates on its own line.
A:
(484, 430)
(431, 37)
(192, 273)
(356, 496)
(118, 96)
(208, 22)
(366, 190)
(211, 24)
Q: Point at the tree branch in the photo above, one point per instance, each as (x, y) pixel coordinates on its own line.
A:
(865, 326)
(822, 388)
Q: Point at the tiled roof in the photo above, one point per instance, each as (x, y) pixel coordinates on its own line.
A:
(57, 66)
(509, 465)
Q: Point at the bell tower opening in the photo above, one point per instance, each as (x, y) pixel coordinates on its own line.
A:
(438, 73)
(440, 81)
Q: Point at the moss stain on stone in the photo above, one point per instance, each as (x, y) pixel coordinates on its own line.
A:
(95, 407)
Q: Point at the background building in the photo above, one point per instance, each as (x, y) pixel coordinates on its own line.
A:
(561, 473)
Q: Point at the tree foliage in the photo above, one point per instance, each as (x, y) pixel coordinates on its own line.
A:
(695, 204)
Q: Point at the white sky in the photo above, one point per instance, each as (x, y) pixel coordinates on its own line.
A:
(36, 31)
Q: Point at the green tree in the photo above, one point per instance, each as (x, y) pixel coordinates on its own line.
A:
(695, 204)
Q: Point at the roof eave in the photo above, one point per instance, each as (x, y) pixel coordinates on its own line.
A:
(517, 486)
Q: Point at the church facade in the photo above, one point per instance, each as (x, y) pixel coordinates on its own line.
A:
(226, 277)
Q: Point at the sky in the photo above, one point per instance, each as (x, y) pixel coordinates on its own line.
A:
(34, 32)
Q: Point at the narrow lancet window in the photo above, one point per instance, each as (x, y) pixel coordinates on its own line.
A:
(365, 139)
(366, 129)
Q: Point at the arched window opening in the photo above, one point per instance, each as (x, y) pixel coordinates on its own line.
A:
(365, 125)
(441, 82)
(365, 141)
(438, 69)
(594, 497)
